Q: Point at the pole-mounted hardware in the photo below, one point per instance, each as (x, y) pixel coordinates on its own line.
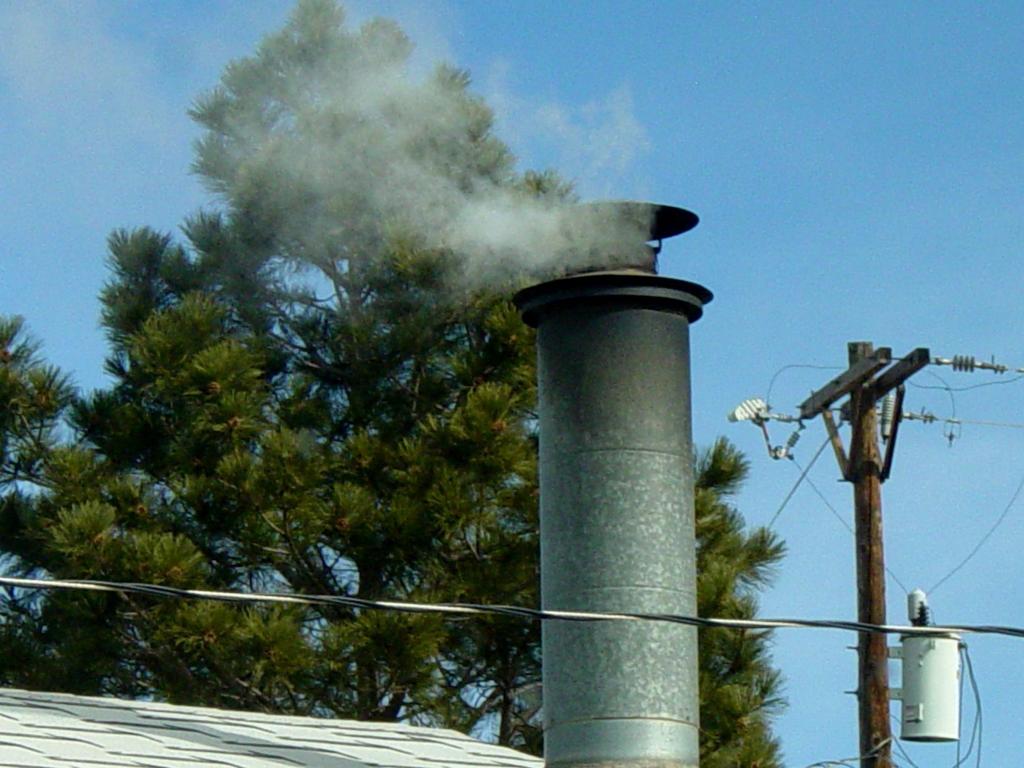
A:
(930, 695)
(871, 376)
(758, 412)
(856, 375)
(865, 390)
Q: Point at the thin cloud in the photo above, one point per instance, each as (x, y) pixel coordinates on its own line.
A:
(597, 144)
(69, 73)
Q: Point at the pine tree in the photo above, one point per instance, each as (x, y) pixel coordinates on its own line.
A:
(308, 396)
(739, 689)
(34, 396)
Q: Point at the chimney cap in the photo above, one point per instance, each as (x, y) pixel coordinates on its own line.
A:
(662, 221)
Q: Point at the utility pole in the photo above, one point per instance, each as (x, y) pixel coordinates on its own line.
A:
(866, 383)
(865, 469)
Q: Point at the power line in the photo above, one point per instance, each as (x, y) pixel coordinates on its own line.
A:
(847, 526)
(983, 540)
(475, 609)
(987, 423)
(771, 384)
(851, 762)
(924, 417)
(796, 485)
(977, 702)
(950, 435)
(959, 363)
(976, 729)
(969, 387)
(900, 748)
(931, 418)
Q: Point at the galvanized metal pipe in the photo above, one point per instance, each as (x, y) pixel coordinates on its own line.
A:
(617, 527)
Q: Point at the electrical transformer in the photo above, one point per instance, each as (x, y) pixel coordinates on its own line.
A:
(931, 680)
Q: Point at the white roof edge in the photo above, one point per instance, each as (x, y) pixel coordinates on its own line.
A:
(44, 730)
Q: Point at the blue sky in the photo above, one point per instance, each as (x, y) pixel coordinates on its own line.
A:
(859, 172)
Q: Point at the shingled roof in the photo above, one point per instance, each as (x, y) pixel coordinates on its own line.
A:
(52, 730)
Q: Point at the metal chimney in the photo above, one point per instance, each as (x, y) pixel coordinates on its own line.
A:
(617, 526)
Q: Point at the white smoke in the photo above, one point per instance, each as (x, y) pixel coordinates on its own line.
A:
(597, 144)
(352, 144)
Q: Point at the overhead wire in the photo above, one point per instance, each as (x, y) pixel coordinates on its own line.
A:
(976, 726)
(983, 540)
(969, 387)
(844, 762)
(900, 748)
(987, 423)
(796, 485)
(952, 421)
(771, 383)
(852, 761)
(949, 434)
(478, 609)
(846, 525)
(943, 385)
(978, 715)
(930, 418)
